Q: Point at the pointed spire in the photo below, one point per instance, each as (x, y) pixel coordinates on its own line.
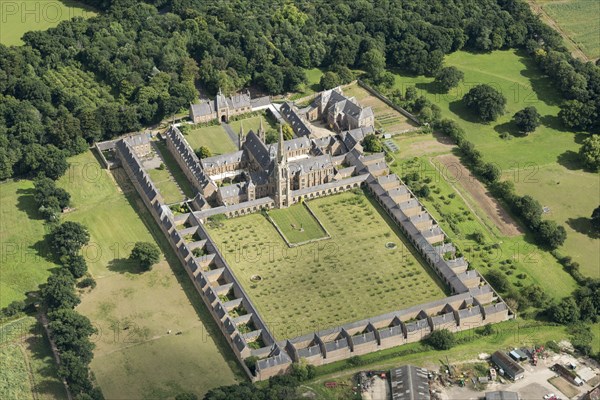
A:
(280, 150)
(261, 128)
(241, 128)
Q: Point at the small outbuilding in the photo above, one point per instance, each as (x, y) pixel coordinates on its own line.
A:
(409, 383)
(511, 369)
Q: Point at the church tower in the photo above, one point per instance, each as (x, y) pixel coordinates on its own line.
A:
(283, 196)
(261, 131)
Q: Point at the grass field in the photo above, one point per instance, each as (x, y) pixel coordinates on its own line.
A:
(165, 185)
(134, 356)
(349, 277)
(579, 20)
(182, 181)
(460, 216)
(27, 368)
(522, 158)
(18, 17)
(214, 137)
(296, 224)
(253, 123)
(23, 263)
(313, 78)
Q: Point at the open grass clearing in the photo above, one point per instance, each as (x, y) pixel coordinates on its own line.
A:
(182, 181)
(520, 157)
(297, 224)
(24, 263)
(312, 85)
(134, 356)
(319, 285)
(27, 367)
(19, 17)
(252, 124)
(214, 137)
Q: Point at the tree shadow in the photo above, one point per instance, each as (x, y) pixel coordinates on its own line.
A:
(541, 85)
(430, 87)
(508, 128)
(26, 203)
(38, 348)
(459, 108)
(553, 122)
(583, 225)
(124, 265)
(570, 160)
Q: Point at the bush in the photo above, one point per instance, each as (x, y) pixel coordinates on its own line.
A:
(551, 235)
(13, 309)
(498, 280)
(372, 144)
(87, 282)
(527, 120)
(441, 339)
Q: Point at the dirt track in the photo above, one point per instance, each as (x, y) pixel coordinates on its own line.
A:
(457, 174)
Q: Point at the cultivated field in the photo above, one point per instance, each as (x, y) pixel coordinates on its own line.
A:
(23, 263)
(522, 158)
(320, 285)
(214, 137)
(18, 17)
(28, 370)
(386, 118)
(296, 224)
(578, 20)
(134, 356)
(84, 85)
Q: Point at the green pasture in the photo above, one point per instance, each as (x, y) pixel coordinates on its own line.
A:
(550, 147)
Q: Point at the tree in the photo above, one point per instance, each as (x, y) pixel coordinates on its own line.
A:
(551, 234)
(373, 62)
(527, 120)
(530, 209)
(565, 312)
(448, 77)
(595, 219)
(329, 80)
(59, 291)
(486, 101)
(71, 332)
(69, 237)
(441, 339)
(577, 115)
(75, 371)
(590, 152)
(498, 280)
(145, 254)
(186, 396)
(372, 144)
(75, 264)
(203, 152)
(288, 132)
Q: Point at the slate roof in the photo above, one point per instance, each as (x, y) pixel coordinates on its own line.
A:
(223, 159)
(259, 150)
(501, 395)
(293, 118)
(409, 383)
(203, 109)
(306, 165)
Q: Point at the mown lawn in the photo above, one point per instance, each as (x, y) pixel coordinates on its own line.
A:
(522, 158)
(214, 137)
(252, 124)
(24, 263)
(165, 184)
(19, 17)
(134, 355)
(315, 286)
(297, 224)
